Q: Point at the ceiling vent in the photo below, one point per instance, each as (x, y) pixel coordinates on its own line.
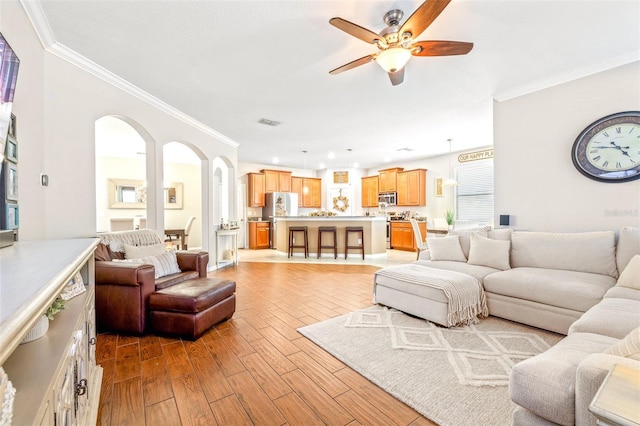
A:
(268, 122)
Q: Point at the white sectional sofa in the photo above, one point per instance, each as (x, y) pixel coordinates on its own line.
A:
(563, 282)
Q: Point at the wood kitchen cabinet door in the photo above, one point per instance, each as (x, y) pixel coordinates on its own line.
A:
(255, 189)
(311, 192)
(402, 236)
(412, 188)
(370, 191)
(258, 235)
(388, 179)
(297, 187)
(277, 180)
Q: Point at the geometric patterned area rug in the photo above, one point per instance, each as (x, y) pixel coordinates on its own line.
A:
(453, 376)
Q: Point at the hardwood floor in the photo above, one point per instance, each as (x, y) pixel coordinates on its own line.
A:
(254, 369)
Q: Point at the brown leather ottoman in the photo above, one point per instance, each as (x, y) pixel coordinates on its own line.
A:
(192, 307)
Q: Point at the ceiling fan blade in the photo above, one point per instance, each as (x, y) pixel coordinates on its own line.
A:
(423, 17)
(353, 64)
(355, 30)
(440, 48)
(397, 77)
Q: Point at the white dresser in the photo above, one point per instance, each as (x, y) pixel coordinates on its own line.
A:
(56, 378)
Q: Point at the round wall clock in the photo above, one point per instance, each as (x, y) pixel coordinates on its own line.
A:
(608, 150)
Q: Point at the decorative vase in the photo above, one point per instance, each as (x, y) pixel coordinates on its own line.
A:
(450, 228)
(38, 330)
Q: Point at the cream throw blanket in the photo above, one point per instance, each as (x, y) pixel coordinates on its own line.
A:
(465, 294)
(142, 237)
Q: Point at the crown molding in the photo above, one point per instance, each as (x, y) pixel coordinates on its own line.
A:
(41, 25)
(575, 74)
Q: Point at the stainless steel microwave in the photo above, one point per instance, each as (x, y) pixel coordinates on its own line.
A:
(387, 197)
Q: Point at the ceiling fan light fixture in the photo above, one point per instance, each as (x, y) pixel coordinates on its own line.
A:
(393, 59)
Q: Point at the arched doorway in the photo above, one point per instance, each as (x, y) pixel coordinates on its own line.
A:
(121, 174)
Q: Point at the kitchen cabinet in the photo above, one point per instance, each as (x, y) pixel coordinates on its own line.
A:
(255, 189)
(56, 377)
(370, 191)
(312, 192)
(402, 237)
(388, 179)
(296, 186)
(412, 188)
(276, 180)
(258, 235)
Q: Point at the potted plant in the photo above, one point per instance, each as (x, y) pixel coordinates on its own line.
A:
(42, 326)
(449, 217)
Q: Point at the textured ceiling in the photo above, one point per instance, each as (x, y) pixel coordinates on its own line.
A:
(228, 64)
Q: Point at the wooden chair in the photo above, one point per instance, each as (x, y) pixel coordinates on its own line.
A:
(174, 238)
(421, 244)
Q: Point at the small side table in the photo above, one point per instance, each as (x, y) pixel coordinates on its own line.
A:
(223, 233)
(617, 402)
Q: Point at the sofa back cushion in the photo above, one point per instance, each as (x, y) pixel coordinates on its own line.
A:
(628, 246)
(593, 252)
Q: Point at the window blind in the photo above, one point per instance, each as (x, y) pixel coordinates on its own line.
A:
(474, 193)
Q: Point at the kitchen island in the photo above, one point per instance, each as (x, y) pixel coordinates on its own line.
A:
(375, 233)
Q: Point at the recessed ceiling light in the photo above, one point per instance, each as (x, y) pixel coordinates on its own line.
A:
(387, 159)
(275, 160)
(268, 122)
(321, 166)
(331, 156)
(356, 165)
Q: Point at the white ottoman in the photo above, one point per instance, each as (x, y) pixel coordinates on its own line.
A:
(444, 297)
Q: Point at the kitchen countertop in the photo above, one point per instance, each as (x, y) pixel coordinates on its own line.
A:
(350, 218)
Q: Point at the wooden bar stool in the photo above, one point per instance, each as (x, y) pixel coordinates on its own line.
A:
(304, 245)
(359, 231)
(330, 230)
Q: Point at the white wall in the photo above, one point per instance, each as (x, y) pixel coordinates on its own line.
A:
(57, 104)
(536, 182)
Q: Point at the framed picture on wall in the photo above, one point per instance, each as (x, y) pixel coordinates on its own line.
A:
(438, 187)
(11, 181)
(11, 151)
(12, 126)
(12, 218)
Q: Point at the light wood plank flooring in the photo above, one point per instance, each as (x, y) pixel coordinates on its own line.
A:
(254, 369)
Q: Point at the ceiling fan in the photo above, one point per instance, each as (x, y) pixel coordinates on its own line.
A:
(397, 43)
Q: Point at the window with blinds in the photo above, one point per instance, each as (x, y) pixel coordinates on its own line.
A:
(474, 193)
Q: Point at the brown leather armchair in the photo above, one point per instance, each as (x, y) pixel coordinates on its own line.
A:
(123, 289)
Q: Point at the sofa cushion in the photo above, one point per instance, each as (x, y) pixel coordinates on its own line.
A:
(136, 252)
(577, 291)
(611, 317)
(545, 384)
(628, 246)
(622, 293)
(630, 276)
(488, 252)
(503, 234)
(165, 263)
(447, 248)
(629, 347)
(593, 252)
(476, 271)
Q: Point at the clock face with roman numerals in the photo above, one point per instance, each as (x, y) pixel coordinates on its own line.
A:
(608, 150)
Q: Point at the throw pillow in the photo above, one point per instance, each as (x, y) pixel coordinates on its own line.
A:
(629, 347)
(488, 252)
(630, 277)
(136, 252)
(165, 263)
(446, 248)
(465, 236)
(500, 234)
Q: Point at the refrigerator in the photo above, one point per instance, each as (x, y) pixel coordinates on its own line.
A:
(278, 204)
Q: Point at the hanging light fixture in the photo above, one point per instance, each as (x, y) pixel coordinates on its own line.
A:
(393, 59)
(450, 181)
